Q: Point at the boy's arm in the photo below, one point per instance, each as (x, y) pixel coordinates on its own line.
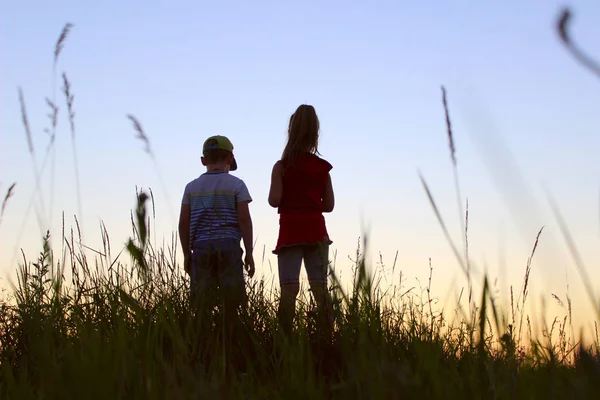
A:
(245, 222)
(328, 197)
(184, 235)
(276, 185)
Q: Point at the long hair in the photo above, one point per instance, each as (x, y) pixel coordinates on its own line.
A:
(303, 134)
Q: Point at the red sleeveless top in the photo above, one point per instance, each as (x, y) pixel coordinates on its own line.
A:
(301, 218)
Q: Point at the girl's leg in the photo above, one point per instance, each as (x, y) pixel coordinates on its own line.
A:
(289, 261)
(316, 261)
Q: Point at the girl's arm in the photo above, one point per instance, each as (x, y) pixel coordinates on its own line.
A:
(276, 185)
(328, 197)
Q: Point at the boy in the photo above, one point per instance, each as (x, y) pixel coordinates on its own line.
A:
(214, 217)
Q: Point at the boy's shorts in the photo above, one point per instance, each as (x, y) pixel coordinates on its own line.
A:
(316, 262)
(217, 264)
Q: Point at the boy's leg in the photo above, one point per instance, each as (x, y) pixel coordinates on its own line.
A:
(202, 296)
(289, 261)
(203, 278)
(316, 262)
(232, 292)
(231, 278)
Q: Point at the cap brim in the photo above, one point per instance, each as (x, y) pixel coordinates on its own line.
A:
(233, 165)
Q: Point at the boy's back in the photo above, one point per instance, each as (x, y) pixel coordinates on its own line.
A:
(213, 198)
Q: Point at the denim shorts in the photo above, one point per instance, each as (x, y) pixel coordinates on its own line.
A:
(217, 265)
(316, 262)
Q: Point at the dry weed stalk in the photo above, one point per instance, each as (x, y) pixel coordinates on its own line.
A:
(463, 222)
(61, 40)
(33, 159)
(449, 127)
(443, 226)
(574, 254)
(54, 110)
(141, 135)
(524, 290)
(70, 97)
(9, 194)
(53, 116)
(580, 55)
(558, 300)
(26, 122)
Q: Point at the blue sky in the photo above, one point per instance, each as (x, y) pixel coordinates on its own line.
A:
(524, 115)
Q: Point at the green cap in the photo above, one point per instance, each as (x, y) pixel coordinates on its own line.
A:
(219, 143)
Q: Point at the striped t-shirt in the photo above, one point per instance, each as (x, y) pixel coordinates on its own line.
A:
(213, 197)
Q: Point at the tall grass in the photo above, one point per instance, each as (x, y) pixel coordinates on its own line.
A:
(123, 327)
(118, 323)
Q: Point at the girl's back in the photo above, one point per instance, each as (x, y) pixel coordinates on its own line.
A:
(304, 183)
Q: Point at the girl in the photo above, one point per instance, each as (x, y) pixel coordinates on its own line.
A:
(301, 189)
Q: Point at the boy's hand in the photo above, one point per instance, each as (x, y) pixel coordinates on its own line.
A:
(249, 264)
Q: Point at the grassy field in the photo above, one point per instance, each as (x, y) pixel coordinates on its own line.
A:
(100, 327)
(79, 328)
